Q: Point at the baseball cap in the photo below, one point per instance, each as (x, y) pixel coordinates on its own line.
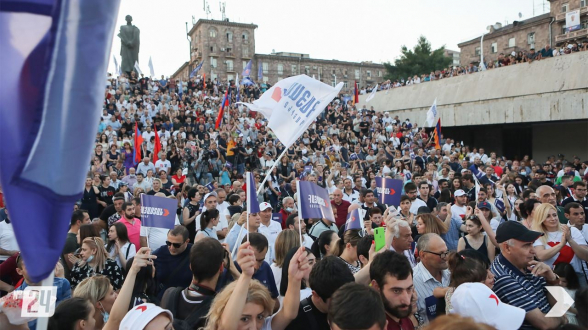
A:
(459, 192)
(513, 229)
(264, 206)
(484, 205)
(477, 301)
(141, 315)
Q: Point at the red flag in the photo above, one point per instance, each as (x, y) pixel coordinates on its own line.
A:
(221, 111)
(138, 143)
(356, 94)
(157, 147)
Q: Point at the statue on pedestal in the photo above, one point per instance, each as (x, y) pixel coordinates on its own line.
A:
(129, 50)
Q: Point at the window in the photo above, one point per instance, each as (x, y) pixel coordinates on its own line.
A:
(213, 75)
(511, 42)
(212, 33)
(307, 70)
(368, 74)
(379, 73)
(584, 24)
(212, 49)
(294, 69)
(345, 85)
(564, 8)
(531, 38)
(583, 3)
(229, 50)
(244, 64)
(345, 73)
(564, 30)
(230, 77)
(333, 83)
(494, 48)
(245, 36)
(265, 79)
(356, 74)
(320, 71)
(229, 65)
(332, 71)
(265, 66)
(477, 52)
(212, 62)
(280, 69)
(229, 36)
(245, 52)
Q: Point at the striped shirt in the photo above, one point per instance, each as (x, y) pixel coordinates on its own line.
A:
(424, 284)
(521, 290)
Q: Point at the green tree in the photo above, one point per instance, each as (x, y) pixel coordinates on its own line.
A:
(421, 60)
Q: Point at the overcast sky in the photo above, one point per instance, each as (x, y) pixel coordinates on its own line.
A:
(367, 30)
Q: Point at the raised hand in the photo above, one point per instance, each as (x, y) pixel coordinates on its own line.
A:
(143, 258)
(246, 259)
(299, 267)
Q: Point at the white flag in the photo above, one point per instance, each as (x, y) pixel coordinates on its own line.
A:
(151, 67)
(372, 94)
(432, 114)
(116, 67)
(292, 104)
(139, 72)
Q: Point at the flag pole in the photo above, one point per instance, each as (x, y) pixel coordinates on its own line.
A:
(43, 322)
(299, 210)
(267, 175)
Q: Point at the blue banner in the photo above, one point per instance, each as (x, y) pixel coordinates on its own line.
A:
(277, 217)
(252, 204)
(389, 191)
(314, 202)
(247, 70)
(159, 212)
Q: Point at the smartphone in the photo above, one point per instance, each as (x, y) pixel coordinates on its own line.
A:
(379, 238)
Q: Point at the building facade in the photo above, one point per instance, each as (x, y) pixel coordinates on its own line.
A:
(226, 47)
(454, 56)
(535, 32)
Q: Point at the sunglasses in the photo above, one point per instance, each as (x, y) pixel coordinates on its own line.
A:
(176, 245)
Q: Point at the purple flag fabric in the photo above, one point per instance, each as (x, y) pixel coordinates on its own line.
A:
(54, 59)
(353, 220)
(210, 186)
(252, 204)
(499, 205)
(389, 191)
(277, 217)
(315, 202)
(159, 212)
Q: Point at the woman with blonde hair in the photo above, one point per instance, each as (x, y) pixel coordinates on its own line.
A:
(93, 260)
(559, 243)
(286, 240)
(428, 223)
(247, 304)
(100, 293)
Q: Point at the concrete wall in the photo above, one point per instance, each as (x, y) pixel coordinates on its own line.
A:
(570, 139)
(547, 90)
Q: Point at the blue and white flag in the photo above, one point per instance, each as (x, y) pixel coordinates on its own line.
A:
(138, 69)
(252, 204)
(372, 94)
(116, 66)
(247, 69)
(354, 220)
(158, 212)
(55, 56)
(432, 114)
(292, 104)
(247, 81)
(315, 202)
(499, 205)
(210, 186)
(389, 191)
(196, 69)
(259, 71)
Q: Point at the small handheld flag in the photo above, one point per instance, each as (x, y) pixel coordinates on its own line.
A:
(159, 212)
(157, 147)
(138, 144)
(252, 205)
(437, 135)
(372, 94)
(221, 111)
(196, 69)
(259, 71)
(353, 220)
(139, 72)
(151, 70)
(356, 94)
(389, 191)
(247, 69)
(431, 114)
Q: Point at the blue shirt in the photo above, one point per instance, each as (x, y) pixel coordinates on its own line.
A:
(165, 266)
(519, 289)
(451, 238)
(265, 275)
(63, 292)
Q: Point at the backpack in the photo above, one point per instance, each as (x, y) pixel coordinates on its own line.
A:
(172, 302)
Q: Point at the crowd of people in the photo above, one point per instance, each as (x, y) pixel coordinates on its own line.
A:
(455, 256)
(515, 57)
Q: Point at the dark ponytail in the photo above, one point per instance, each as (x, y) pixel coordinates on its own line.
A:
(467, 266)
(318, 247)
(206, 217)
(68, 313)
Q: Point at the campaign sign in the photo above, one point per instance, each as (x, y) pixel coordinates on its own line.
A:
(389, 191)
(159, 212)
(277, 217)
(315, 202)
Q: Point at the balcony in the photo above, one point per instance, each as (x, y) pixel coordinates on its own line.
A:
(571, 36)
(230, 55)
(562, 16)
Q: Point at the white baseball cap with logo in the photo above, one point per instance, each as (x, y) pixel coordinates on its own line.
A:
(140, 316)
(459, 192)
(477, 301)
(264, 206)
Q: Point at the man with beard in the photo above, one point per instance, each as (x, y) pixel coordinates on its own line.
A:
(133, 224)
(391, 275)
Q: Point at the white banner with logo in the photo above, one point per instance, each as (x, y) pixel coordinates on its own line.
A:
(573, 20)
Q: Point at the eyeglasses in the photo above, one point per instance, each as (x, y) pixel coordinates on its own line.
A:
(176, 245)
(442, 255)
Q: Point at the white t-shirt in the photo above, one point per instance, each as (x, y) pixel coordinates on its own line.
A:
(129, 251)
(457, 211)
(156, 237)
(7, 239)
(271, 233)
(162, 165)
(416, 204)
(555, 237)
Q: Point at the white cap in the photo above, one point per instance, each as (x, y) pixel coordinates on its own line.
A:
(459, 192)
(264, 206)
(138, 317)
(477, 301)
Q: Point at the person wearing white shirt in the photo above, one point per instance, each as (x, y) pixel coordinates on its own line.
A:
(402, 240)
(411, 191)
(8, 244)
(148, 134)
(349, 194)
(576, 216)
(270, 229)
(163, 164)
(459, 208)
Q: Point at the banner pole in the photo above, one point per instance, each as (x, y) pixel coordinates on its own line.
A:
(267, 175)
(43, 322)
(299, 210)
